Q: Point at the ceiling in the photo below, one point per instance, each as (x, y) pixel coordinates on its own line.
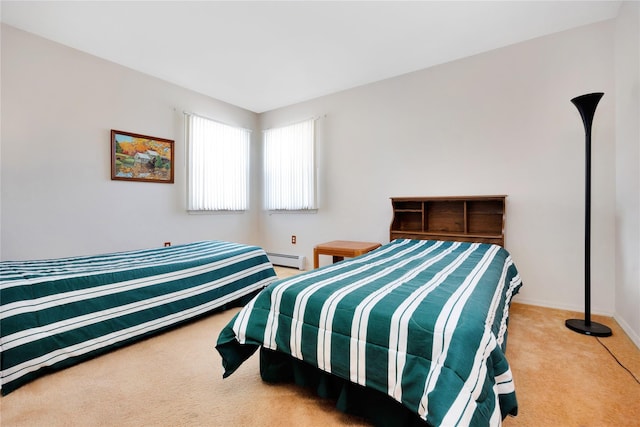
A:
(264, 55)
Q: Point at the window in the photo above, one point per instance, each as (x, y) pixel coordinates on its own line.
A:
(218, 165)
(289, 167)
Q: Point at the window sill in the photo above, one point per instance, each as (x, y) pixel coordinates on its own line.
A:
(220, 212)
(293, 211)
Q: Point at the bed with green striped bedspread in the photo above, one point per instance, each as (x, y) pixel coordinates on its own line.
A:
(422, 321)
(57, 312)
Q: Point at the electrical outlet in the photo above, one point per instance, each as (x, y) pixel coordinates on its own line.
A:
(166, 244)
(293, 240)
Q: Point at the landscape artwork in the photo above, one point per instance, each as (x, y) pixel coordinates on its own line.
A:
(136, 157)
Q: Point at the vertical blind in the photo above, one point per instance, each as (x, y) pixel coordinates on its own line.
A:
(218, 165)
(289, 167)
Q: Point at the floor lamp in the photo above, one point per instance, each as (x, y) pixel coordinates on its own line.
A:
(586, 105)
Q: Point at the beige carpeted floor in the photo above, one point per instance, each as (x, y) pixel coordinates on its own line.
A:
(175, 379)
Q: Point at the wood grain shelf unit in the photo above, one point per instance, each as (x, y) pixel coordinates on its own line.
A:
(462, 218)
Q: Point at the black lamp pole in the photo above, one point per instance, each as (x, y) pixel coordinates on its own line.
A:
(586, 105)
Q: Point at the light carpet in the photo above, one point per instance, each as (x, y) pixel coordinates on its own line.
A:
(562, 379)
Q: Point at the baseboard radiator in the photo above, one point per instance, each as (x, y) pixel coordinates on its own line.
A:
(294, 261)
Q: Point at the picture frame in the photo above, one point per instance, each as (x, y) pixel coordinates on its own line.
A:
(143, 158)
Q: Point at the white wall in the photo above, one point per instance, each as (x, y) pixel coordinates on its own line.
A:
(627, 77)
(497, 123)
(58, 107)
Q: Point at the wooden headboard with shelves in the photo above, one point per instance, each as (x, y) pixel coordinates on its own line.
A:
(461, 218)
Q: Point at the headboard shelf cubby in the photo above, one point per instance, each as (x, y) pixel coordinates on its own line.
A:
(462, 218)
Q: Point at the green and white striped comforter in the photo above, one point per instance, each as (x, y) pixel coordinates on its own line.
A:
(58, 312)
(423, 321)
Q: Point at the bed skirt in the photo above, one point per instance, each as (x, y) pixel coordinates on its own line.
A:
(350, 398)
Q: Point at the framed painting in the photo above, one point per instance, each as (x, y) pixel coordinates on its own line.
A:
(144, 158)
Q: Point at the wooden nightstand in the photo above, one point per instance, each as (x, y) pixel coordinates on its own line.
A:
(342, 248)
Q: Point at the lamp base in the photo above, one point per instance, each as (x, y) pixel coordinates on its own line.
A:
(594, 328)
